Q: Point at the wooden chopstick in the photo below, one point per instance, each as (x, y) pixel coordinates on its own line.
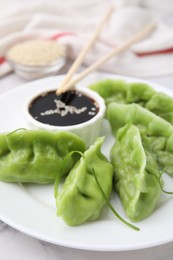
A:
(135, 38)
(84, 51)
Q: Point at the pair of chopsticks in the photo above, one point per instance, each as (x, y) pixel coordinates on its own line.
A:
(69, 81)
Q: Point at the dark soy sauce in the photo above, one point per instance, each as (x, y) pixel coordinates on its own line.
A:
(69, 108)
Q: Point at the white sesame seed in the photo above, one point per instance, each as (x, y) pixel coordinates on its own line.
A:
(36, 52)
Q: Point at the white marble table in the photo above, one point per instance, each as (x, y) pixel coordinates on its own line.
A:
(16, 245)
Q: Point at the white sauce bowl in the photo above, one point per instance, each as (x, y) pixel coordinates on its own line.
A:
(88, 130)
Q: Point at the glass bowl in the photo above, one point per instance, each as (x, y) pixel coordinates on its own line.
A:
(36, 72)
(37, 58)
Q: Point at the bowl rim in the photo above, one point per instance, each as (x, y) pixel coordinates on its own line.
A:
(88, 92)
(25, 67)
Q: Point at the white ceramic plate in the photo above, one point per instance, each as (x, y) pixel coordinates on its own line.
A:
(31, 208)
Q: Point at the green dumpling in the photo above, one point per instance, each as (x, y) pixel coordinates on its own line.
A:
(135, 174)
(156, 133)
(80, 198)
(120, 91)
(35, 156)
